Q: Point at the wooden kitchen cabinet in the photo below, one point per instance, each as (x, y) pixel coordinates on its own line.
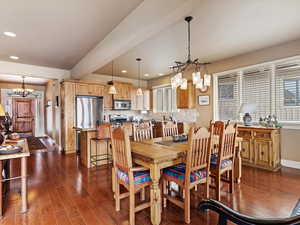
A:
(107, 98)
(89, 89)
(186, 99)
(123, 91)
(260, 147)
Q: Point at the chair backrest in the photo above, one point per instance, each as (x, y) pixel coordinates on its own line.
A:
(142, 131)
(219, 126)
(198, 155)
(103, 130)
(121, 149)
(227, 142)
(169, 129)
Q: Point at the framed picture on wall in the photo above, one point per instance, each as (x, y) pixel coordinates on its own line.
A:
(203, 99)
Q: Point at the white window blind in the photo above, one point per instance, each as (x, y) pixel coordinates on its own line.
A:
(287, 95)
(256, 89)
(274, 88)
(228, 97)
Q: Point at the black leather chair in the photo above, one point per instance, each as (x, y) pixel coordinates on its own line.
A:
(228, 214)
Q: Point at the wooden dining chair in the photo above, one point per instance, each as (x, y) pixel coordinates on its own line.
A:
(134, 179)
(169, 128)
(193, 172)
(142, 131)
(223, 161)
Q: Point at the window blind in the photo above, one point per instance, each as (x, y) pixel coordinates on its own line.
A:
(228, 97)
(287, 92)
(256, 89)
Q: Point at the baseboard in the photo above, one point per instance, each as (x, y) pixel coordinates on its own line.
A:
(290, 163)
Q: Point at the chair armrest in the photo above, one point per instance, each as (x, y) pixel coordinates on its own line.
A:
(140, 168)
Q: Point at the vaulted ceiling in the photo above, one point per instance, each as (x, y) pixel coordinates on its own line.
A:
(57, 33)
(62, 34)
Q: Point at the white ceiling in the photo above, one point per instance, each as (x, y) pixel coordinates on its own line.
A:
(220, 29)
(18, 79)
(57, 33)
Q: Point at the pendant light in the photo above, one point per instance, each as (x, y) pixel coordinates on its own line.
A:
(139, 90)
(112, 90)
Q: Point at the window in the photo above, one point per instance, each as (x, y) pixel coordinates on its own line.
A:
(164, 99)
(274, 88)
(291, 92)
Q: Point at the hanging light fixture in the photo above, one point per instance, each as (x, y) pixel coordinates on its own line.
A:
(23, 92)
(201, 83)
(139, 90)
(112, 89)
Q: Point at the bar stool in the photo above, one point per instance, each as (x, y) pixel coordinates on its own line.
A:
(103, 135)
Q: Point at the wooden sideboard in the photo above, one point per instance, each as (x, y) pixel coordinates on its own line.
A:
(260, 147)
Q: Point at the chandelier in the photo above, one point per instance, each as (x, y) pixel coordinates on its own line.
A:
(139, 91)
(112, 89)
(23, 92)
(201, 82)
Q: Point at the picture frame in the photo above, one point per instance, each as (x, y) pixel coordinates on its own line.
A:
(203, 100)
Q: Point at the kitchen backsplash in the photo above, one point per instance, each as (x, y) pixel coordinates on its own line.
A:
(183, 115)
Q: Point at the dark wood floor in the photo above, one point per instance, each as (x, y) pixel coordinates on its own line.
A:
(61, 192)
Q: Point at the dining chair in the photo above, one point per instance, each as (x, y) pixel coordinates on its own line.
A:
(194, 171)
(142, 131)
(223, 161)
(169, 128)
(134, 179)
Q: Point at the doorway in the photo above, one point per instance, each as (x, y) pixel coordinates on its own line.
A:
(23, 115)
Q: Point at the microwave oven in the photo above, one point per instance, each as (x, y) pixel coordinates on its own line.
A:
(122, 104)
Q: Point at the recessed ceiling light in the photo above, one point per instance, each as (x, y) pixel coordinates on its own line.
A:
(9, 34)
(160, 74)
(124, 71)
(146, 74)
(14, 57)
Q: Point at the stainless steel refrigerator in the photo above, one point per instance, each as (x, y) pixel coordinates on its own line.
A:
(89, 113)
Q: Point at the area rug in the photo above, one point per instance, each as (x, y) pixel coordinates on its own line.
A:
(35, 145)
(296, 211)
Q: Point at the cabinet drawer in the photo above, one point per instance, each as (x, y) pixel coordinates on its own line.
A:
(245, 133)
(262, 134)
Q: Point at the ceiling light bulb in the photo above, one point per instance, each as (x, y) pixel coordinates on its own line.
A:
(146, 75)
(14, 57)
(160, 74)
(9, 34)
(124, 71)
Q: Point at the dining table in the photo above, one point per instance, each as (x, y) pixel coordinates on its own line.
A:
(159, 153)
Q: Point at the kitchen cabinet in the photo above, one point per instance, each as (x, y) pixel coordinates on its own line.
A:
(186, 99)
(107, 98)
(260, 147)
(89, 89)
(140, 102)
(123, 91)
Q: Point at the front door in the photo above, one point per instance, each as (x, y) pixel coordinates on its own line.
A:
(23, 115)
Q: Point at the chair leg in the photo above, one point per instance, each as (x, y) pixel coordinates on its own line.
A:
(117, 195)
(131, 206)
(231, 184)
(113, 179)
(218, 187)
(187, 206)
(207, 187)
(165, 192)
(142, 194)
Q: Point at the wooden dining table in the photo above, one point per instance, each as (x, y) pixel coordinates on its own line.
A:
(160, 153)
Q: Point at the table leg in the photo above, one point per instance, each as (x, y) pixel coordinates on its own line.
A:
(238, 164)
(24, 184)
(155, 195)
